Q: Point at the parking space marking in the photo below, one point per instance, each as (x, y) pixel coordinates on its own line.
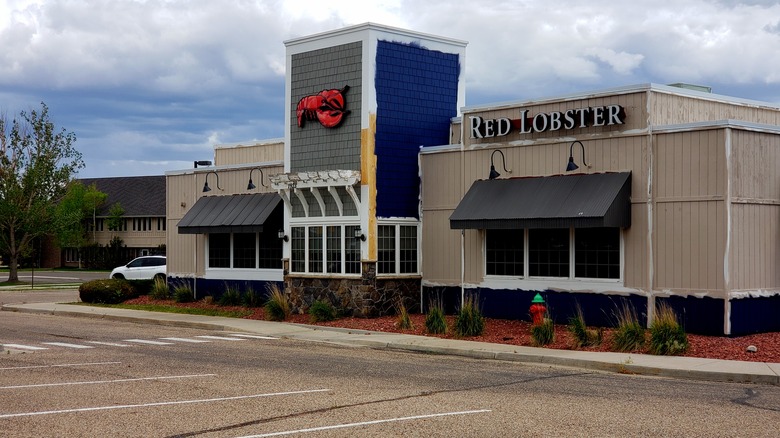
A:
(241, 335)
(95, 382)
(146, 405)
(194, 341)
(24, 347)
(146, 341)
(66, 345)
(220, 338)
(366, 423)
(61, 365)
(110, 344)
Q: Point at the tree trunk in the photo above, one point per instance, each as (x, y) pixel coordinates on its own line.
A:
(13, 271)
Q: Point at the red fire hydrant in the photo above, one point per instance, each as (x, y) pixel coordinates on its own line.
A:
(537, 309)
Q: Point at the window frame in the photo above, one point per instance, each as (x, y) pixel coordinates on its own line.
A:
(398, 249)
(345, 249)
(259, 260)
(572, 277)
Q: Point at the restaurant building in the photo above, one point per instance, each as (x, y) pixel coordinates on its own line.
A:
(388, 190)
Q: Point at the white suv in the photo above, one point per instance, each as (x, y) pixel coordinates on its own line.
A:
(142, 268)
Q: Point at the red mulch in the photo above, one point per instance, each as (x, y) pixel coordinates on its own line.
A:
(502, 331)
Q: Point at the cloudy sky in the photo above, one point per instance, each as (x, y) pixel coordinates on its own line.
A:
(149, 86)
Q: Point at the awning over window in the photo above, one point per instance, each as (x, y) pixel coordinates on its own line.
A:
(562, 201)
(229, 214)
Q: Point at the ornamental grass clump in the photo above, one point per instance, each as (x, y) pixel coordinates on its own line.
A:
(252, 298)
(321, 311)
(629, 335)
(182, 293)
(582, 335)
(667, 337)
(469, 321)
(544, 333)
(435, 322)
(277, 308)
(404, 322)
(231, 297)
(160, 290)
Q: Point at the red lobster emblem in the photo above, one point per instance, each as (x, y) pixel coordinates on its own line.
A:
(327, 106)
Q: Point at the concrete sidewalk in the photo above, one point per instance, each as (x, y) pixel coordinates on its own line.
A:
(665, 366)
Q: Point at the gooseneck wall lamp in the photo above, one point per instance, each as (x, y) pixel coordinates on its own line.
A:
(206, 187)
(493, 173)
(571, 166)
(251, 186)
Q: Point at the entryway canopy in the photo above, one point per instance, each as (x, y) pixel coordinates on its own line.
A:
(560, 201)
(244, 213)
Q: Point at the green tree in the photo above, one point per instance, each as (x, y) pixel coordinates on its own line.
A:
(116, 216)
(81, 204)
(36, 164)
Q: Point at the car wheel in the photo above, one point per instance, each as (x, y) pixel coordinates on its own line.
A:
(118, 277)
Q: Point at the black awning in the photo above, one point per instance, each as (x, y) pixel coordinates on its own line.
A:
(562, 201)
(229, 214)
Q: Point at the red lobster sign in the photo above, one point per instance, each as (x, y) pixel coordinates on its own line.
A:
(327, 106)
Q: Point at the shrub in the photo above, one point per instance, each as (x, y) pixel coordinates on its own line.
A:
(252, 298)
(182, 293)
(404, 322)
(667, 337)
(435, 323)
(277, 308)
(582, 335)
(543, 334)
(629, 335)
(160, 290)
(141, 287)
(469, 321)
(107, 291)
(231, 297)
(321, 311)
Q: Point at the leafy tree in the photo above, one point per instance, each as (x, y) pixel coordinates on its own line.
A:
(81, 203)
(36, 164)
(116, 216)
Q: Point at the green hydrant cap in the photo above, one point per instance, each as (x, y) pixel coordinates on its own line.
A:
(538, 299)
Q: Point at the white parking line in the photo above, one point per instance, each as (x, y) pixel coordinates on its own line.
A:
(220, 338)
(145, 341)
(94, 382)
(110, 344)
(146, 405)
(194, 341)
(61, 365)
(24, 347)
(241, 335)
(66, 345)
(365, 423)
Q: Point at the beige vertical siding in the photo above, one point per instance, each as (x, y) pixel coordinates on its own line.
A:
(253, 153)
(668, 109)
(636, 269)
(755, 214)
(689, 230)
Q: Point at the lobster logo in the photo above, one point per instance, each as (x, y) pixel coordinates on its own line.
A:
(327, 106)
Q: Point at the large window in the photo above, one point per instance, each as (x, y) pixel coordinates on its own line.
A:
(550, 253)
(245, 250)
(319, 249)
(397, 249)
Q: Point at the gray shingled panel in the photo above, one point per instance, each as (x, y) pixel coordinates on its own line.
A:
(562, 201)
(234, 213)
(138, 195)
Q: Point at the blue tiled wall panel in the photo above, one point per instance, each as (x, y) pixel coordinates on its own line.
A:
(417, 95)
(215, 288)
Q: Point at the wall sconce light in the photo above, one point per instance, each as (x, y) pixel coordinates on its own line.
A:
(251, 186)
(571, 166)
(201, 163)
(359, 235)
(206, 187)
(282, 235)
(493, 173)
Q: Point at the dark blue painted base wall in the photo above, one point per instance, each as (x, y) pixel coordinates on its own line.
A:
(215, 288)
(702, 316)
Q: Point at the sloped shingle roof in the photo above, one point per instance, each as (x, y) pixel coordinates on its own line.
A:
(138, 195)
